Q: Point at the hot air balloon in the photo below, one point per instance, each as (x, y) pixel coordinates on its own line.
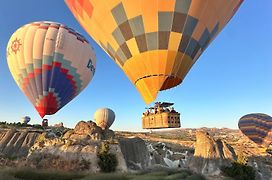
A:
(104, 117)
(51, 63)
(257, 127)
(155, 42)
(25, 120)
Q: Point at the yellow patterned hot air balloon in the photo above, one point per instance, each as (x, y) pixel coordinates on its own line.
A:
(155, 42)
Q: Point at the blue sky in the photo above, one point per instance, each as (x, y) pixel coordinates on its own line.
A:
(232, 78)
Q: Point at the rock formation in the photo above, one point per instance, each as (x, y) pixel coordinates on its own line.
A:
(77, 150)
(135, 152)
(15, 143)
(210, 155)
(89, 130)
(168, 155)
(142, 155)
(206, 147)
(263, 170)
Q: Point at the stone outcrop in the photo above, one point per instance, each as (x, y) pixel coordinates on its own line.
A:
(168, 155)
(206, 147)
(77, 150)
(89, 130)
(263, 170)
(70, 155)
(16, 143)
(142, 155)
(135, 153)
(210, 155)
(226, 151)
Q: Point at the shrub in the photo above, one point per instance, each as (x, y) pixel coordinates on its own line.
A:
(3, 123)
(107, 161)
(241, 159)
(84, 164)
(37, 126)
(239, 171)
(65, 131)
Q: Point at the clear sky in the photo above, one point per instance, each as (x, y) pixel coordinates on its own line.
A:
(232, 78)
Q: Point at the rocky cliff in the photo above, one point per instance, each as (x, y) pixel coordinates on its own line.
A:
(16, 143)
(207, 147)
(210, 154)
(135, 152)
(89, 130)
(142, 155)
(76, 150)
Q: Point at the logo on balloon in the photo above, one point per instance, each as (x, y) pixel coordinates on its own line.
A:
(15, 45)
(91, 66)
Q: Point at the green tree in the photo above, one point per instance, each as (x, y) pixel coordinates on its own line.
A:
(107, 161)
(239, 170)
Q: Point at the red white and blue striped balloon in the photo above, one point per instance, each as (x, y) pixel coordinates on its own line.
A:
(51, 63)
(257, 127)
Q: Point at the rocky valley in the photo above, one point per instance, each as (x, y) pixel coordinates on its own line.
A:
(203, 151)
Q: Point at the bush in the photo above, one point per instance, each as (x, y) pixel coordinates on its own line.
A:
(241, 159)
(107, 161)
(19, 125)
(37, 126)
(84, 164)
(239, 171)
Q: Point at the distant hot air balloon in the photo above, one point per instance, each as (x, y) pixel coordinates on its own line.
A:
(25, 120)
(257, 127)
(51, 63)
(155, 42)
(104, 117)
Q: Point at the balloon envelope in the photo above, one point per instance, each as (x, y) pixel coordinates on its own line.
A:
(104, 117)
(51, 63)
(155, 42)
(25, 119)
(257, 127)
